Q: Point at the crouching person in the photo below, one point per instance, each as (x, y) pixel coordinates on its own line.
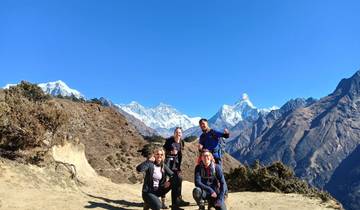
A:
(210, 183)
(155, 181)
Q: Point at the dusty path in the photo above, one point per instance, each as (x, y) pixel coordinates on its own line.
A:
(28, 187)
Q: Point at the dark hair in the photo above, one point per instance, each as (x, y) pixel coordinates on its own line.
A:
(203, 120)
(177, 128)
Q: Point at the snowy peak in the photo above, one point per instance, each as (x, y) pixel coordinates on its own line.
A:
(244, 102)
(8, 86)
(162, 116)
(55, 88)
(59, 88)
(230, 115)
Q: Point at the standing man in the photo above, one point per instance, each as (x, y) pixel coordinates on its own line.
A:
(173, 150)
(211, 140)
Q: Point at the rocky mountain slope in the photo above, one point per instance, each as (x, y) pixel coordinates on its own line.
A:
(245, 132)
(344, 183)
(315, 139)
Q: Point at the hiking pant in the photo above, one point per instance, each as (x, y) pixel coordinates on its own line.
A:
(200, 195)
(152, 197)
(176, 191)
(177, 186)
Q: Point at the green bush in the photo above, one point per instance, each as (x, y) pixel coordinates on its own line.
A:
(155, 139)
(95, 101)
(190, 138)
(72, 97)
(148, 149)
(276, 177)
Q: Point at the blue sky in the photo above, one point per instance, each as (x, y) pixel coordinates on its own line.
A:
(195, 55)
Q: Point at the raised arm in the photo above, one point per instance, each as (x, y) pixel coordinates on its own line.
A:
(144, 166)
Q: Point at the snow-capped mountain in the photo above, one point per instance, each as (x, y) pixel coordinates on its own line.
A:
(230, 115)
(56, 88)
(59, 88)
(8, 86)
(163, 118)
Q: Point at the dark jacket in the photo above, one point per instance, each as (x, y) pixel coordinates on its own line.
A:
(173, 161)
(148, 167)
(213, 182)
(212, 141)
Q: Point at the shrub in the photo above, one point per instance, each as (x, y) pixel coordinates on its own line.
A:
(190, 138)
(276, 177)
(27, 118)
(148, 149)
(31, 91)
(95, 101)
(72, 97)
(155, 139)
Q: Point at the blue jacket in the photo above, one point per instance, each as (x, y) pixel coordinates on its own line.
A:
(211, 141)
(148, 167)
(213, 182)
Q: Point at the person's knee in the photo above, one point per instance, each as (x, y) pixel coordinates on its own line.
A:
(197, 194)
(155, 205)
(152, 201)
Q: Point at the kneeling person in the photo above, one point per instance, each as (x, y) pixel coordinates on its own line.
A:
(210, 183)
(155, 183)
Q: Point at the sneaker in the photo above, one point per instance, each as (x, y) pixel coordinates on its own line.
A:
(181, 202)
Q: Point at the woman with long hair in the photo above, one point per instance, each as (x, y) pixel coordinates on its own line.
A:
(155, 181)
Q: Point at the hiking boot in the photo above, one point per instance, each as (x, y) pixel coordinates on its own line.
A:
(146, 206)
(163, 205)
(176, 208)
(201, 205)
(181, 202)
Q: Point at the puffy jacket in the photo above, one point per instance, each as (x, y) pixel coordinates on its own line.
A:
(213, 182)
(148, 167)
